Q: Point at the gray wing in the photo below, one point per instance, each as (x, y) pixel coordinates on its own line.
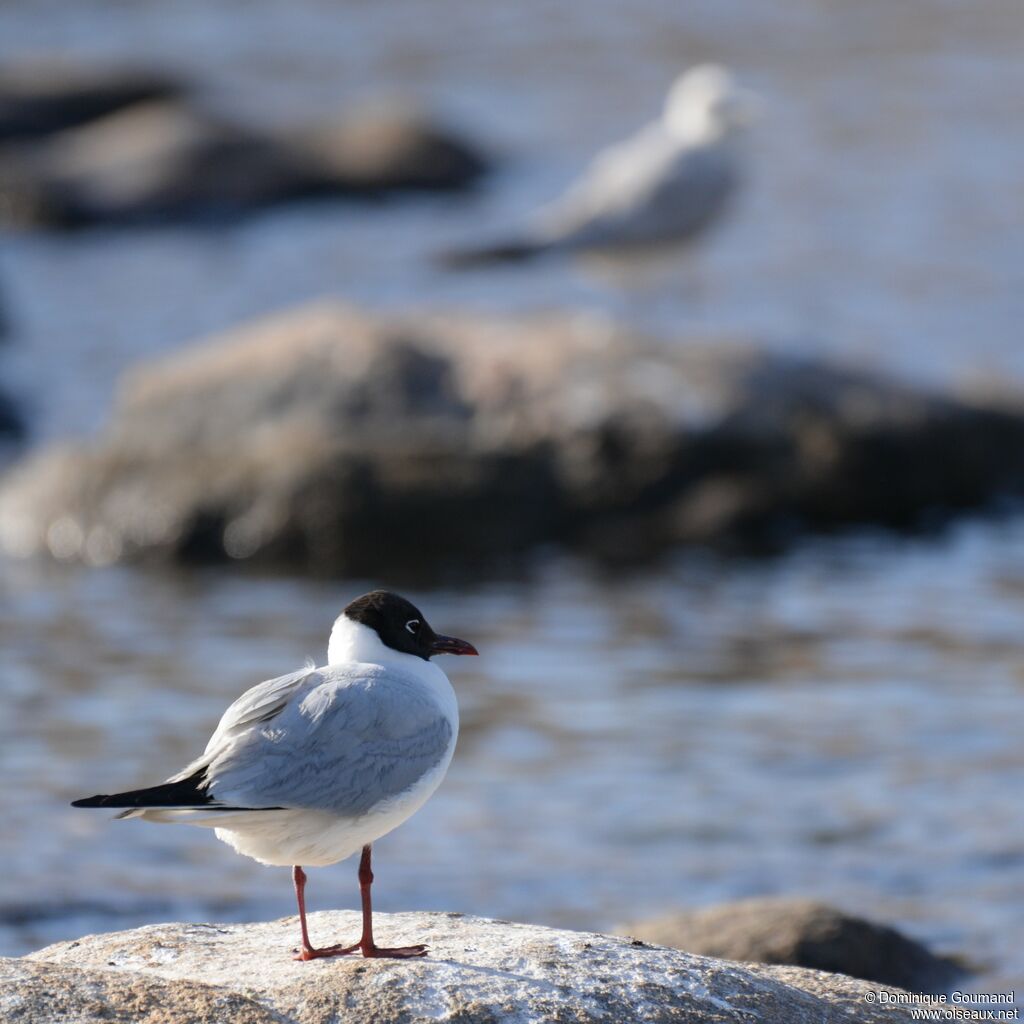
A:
(259, 704)
(644, 193)
(353, 740)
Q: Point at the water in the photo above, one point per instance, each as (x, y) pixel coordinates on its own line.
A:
(844, 722)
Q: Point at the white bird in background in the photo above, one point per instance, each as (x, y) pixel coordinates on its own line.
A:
(310, 767)
(660, 188)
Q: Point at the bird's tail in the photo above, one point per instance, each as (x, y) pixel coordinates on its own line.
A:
(515, 251)
(185, 793)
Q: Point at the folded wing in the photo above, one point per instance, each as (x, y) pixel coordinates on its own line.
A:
(355, 738)
(190, 788)
(644, 192)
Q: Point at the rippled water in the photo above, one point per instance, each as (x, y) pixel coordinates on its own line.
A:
(844, 722)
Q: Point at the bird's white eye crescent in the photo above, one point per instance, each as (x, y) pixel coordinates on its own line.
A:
(413, 626)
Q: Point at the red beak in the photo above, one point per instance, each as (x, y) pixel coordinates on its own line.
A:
(451, 645)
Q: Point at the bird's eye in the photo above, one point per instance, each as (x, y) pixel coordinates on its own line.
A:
(413, 626)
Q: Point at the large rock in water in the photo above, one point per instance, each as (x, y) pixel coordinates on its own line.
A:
(803, 933)
(165, 160)
(151, 162)
(12, 421)
(336, 441)
(383, 147)
(41, 97)
(477, 971)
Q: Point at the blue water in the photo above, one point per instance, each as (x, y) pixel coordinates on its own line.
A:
(843, 722)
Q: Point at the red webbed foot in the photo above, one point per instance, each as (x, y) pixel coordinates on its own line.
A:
(394, 952)
(308, 953)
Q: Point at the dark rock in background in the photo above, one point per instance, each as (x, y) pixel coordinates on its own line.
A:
(150, 162)
(12, 423)
(39, 98)
(802, 933)
(387, 147)
(127, 149)
(336, 441)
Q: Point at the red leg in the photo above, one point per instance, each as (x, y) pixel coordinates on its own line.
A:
(307, 952)
(366, 943)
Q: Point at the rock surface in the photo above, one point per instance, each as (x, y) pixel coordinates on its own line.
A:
(478, 971)
(387, 147)
(168, 159)
(802, 933)
(40, 98)
(12, 421)
(158, 161)
(335, 441)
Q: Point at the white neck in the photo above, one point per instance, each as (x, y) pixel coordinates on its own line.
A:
(353, 642)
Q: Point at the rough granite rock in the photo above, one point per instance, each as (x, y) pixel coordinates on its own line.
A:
(336, 441)
(802, 933)
(478, 972)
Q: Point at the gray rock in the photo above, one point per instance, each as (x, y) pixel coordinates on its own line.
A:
(43, 97)
(803, 933)
(12, 423)
(387, 147)
(12, 419)
(159, 161)
(336, 441)
(477, 971)
(168, 161)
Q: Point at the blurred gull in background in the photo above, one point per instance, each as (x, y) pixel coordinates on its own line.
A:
(656, 190)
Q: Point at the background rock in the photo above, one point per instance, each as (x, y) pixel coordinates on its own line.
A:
(333, 440)
(12, 421)
(158, 161)
(385, 147)
(41, 97)
(145, 160)
(477, 970)
(803, 933)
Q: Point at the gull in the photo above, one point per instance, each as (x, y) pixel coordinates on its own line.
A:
(313, 766)
(660, 188)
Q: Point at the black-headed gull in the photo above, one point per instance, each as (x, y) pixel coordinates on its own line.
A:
(659, 188)
(311, 767)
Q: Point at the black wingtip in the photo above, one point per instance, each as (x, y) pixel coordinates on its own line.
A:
(91, 801)
(485, 256)
(187, 792)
